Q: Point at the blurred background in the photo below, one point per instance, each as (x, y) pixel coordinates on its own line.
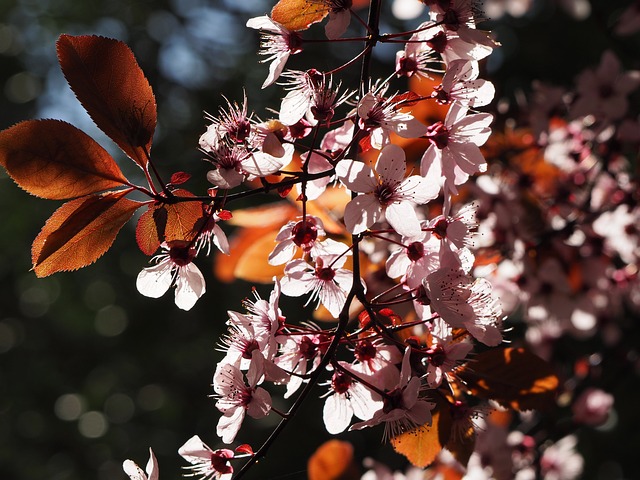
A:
(91, 372)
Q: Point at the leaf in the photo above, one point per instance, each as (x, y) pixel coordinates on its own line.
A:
(297, 15)
(80, 232)
(150, 229)
(421, 445)
(183, 219)
(252, 265)
(514, 377)
(104, 75)
(333, 460)
(55, 160)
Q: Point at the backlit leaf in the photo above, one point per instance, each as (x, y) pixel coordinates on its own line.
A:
(299, 14)
(183, 219)
(55, 160)
(514, 377)
(252, 265)
(422, 445)
(333, 460)
(104, 75)
(150, 228)
(80, 232)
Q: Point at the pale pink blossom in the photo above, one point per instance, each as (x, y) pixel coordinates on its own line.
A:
(235, 398)
(277, 44)
(326, 281)
(385, 191)
(173, 267)
(380, 116)
(339, 18)
(561, 461)
(403, 409)
(476, 44)
(348, 397)
(444, 355)
(629, 20)
(373, 357)
(207, 464)
(461, 84)
(454, 153)
(592, 407)
(135, 472)
(303, 234)
(316, 163)
(296, 353)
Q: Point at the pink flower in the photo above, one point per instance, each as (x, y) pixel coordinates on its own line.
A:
(135, 472)
(560, 461)
(454, 153)
(339, 18)
(461, 84)
(207, 464)
(235, 398)
(380, 116)
(402, 408)
(385, 191)
(296, 352)
(303, 234)
(349, 397)
(326, 281)
(592, 407)
(174, 267)
(277, 44)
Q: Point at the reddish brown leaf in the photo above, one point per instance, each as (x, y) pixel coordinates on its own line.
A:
(422, 445)
(80, 232)
(150, 229)
(299, 14)
(514, 377)
(179, 178)
(333, 460)
(55, 160)
(104, 75)
(183, 219)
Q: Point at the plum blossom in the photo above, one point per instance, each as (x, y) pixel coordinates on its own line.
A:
(461, 84)
(303, 234)
(339, 18)
(560, 461)
(296, 352)
(277, 44)
(135, 472)
(173, 267)
(592, 407)
(207, 464)
(385, 191)
(454, 153)
(235, 398)
(402, 408)
(444, 355)
(380, 116)
(348, 398)
(327, 281)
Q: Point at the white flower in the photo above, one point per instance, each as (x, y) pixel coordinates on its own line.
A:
(174, 267)
(386, 191)
(135, 472)
(277, 44)
(206, 463)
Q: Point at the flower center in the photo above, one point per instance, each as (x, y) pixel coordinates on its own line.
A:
(438, 42)
(305, 233)
(182, 255)
(340, 382)
(365, 351)
(384, 193)
(415, 251)
(325, 274)
(438, 134)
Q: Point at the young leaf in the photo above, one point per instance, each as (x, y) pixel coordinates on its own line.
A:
(80, 232)
(183, 219)
(421, 445)
(150, 229)
(55, 160)
(514, 377)
(104, 75)
(299, 14)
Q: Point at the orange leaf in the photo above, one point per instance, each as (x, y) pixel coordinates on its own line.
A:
(183, 219)
(299, 14)
(55, 160)
(104, 75)
(150, 229)
(252, 265)
(422, 445)
(333, 460)
(80, 232)
(514, 377)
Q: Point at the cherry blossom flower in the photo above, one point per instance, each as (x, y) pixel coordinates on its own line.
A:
(443, 356)
(454, 153)
(461, 84)
(418, 57)
(603, 92)
(233, 123)
(235, 398)
(277, 44)
(402, 408)
(413, 262)
(380, 116)
(629, 20)
(303, 234)
(207, 464)
(372, 357)
(135, 472)
(316, 163)
(173, 267)
(326, 282)
(296, 353)
(476, 45)
(311, 95)
(560, 461)
(348, 398)
(385, 191)
(592, 407)
(463, 302)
